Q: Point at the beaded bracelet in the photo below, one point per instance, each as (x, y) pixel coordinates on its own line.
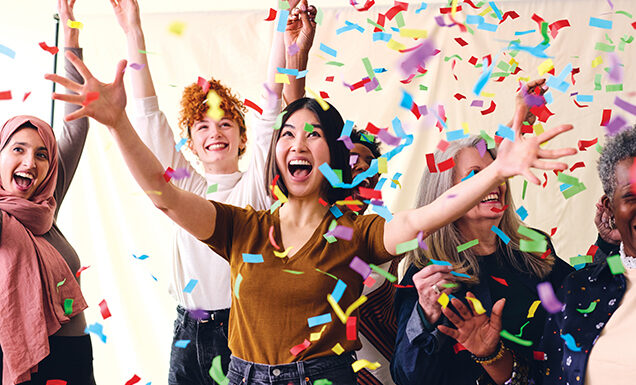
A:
(519, 375)
(496, 356)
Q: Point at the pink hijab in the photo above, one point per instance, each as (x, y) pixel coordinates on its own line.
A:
(31, 269)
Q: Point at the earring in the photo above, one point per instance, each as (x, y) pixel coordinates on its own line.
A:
(611, 223)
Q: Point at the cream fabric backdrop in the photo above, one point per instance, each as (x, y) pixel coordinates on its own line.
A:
(108, 219)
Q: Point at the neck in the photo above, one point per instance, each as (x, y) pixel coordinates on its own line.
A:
(221, 167)
(302, 212)
(481, 230)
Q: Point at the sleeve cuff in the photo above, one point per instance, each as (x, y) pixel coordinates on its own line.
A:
(146, 106)
(606, 247)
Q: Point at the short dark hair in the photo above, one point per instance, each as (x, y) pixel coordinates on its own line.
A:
(332, 123)
(373, 145)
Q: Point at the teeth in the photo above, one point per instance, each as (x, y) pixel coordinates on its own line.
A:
(491, 197)
(217, 146)
(299, 162)
(24, 175)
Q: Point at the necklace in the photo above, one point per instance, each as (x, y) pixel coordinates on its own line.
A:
(628, 261)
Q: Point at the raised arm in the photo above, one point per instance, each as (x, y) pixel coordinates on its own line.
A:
(188, 210)
(299, 34)
(127, 13)
(513, 158)
(71, 141)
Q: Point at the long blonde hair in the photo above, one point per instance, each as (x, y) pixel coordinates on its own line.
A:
(442, 244)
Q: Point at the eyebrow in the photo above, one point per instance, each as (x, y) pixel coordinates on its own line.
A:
(292, 126)
(25, 144)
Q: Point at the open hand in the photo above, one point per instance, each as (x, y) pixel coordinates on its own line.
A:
(301, 26)
(528, 96)
(478, 333)
(65, 10)
(127, 14)
(107, 108)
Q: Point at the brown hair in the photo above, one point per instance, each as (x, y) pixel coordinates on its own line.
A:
(194, 108)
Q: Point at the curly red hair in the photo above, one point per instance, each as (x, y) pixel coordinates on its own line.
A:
(194, 108)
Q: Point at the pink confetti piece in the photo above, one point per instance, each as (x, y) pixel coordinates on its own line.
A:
(388, 138)
(347, 142)
(342, 232)
(360, 267)
(416, 58)
(371, 85)
(477, 103)
(548, 299)
(481, 147)
(180, 173)
(136, 66)
(353, 159)
(293, 49)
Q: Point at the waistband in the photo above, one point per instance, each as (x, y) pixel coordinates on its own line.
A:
(203, 316)
(300, 369)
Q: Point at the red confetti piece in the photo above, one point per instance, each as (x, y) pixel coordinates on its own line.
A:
(324, 95)
(553, 231)
(352, 331)
(403, 286)
(580, 105)
(81, 269)
(416, 111)
(557, 25)
(135, 379)
(329, 79)
(323, 202)
(5, 95)
(592, 250)
(489, 109)
(446, 165)
(103, 308)
(577, 165)
(607, 115)
(271, 236)
(634, 25)
(500, 280)
(272, 15)
(299, 348)
(458, 348)
(397, 8)
(90, 98)
(527, 129)
(167, 175)
(510, 14)
(370, 193)
(538, 19)
(369, 282)
(584, 144)
(499, 210)
(203, 84)
(459, 96)
(473, 60)
(26, 95)
(359, 84)
(408, 80)
(368, 4)
(430, 162)
(51, 50)
(253, 105)
(545, 254)
(56, 382)
(538, 356)
(442, 145)
(380, 22)
(541, 112)
(372, 129)
(461, 41)
(546, 180)
(574, 72)
(274, 184)
(447, 10)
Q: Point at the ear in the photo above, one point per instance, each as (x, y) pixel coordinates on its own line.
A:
(243, 143)
(607, 203)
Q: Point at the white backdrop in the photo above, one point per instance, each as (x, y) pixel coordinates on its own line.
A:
(108, 219)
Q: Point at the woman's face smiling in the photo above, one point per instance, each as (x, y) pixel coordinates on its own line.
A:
(299, 153)
(217, 144)
(24, 163)
(623, 206)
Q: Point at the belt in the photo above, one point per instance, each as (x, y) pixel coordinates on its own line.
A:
(204, 316)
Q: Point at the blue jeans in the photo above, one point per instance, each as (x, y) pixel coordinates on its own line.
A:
(208, 339)
(336, 369)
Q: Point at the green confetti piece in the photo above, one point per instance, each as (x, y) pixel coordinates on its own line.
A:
(613, 87)
(533, 246)
(323, 381)
(367, 66)
(624, 13)
(279, 120)
(597, 82)
(60, 283)
(319, 15)
(544, 33)
(505, 334)
(147, 52)
(373, 23)
(581, 259)
(567, 179)
(338, 173)
(467, 245)
(570, 192)
(293, 272)
(604, 47)
(237, 285)
(521, 330)
(502, 65)
(334, 63)
(489, 140)
(216, 372)
(499, 74)
(389, 277)
(525, 187)
(308, 127)
(367, 138)
(513, 53)
(325, 273)
(589, 309)
(399, 20)
(423, 87)
(283, 4)
(329, 238)
(615, 264)
(404, 247)
(532, 234)
(598, 148)
(608, 39)
(212, 188)
(68, 306)
(332, 225)
(274, 206)
(450, 285)
(456, 56)
(629, 39)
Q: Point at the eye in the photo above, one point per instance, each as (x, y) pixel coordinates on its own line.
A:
(42, 155)
(18, 149)
(315, 134)
(287, 133)
(226, 125)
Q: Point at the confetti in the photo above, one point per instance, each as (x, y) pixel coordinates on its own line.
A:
(216, 372)
(589, 309)
(505, 334)
(74, 24)
(319, 320)
(103, 308)
(51, 50)
(181, 343)
(299, 348)
(570, 343)
(361, 364)
(533, 308)
(4, 50)
(467, 245)
(176, 27)
(615, 264)
(190, 286)
(352, 331)
(548, 299)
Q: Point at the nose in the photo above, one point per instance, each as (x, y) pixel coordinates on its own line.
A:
(28, 160)
(299, 144)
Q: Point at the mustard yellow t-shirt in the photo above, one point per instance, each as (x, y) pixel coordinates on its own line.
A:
(273, 299)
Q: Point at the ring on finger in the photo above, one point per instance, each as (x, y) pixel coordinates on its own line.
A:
(436, 289)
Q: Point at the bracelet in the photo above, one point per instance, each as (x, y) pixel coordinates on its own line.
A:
(519, 375)
(496, 356)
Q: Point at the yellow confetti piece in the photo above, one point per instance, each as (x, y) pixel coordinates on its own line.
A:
(533, 308)
(313, 337)
(338, 349)
(395, 45)
(545, 66)
(465, 127)
(361, 364)
(214, 106)
(279, 194)
(524, 79)
(414, 33)
(488, 94)
(397, 182)
(443, 300)
(336, 308)
(320, 100)
(513, 61)
(282, 254)
(477, 305)
(354, 202)
(74, 24)
(155, 192)
(485, 11)
(281, 78)
(176, 27)
(355, 305)
(538, 129)
(382, 166)
(596, 62)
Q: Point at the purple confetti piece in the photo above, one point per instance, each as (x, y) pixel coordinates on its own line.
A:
(347, 141)
(360, 267)
(610, 4)
(388, 138)
(477, 103)
(440, 20)
(136, 66)
(625, 105)
(615, 126)
(423, 110)
(353, 159)
(420, 241)
(199, 314)
(293, 49)
(616, 70)
(548, 299)
(416, 58)
(574, 93)
(342, 232)
(532, 99)
(377, 202)
(481, 147)
(180, 173)
(372, 85)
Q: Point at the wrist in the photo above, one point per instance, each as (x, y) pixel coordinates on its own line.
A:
(496, 354)
(296, 62)
(71, 39)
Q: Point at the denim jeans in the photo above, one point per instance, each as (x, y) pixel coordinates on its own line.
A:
(208, 339)
(336, 369)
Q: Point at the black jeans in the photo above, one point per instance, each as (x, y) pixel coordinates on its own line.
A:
(70, 359)
(336, 369)
(208, 339)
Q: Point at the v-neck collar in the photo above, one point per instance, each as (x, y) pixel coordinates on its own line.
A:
(278, 236)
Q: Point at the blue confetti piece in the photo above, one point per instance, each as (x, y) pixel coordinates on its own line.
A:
(395, 178)
(564, 187)
(347, 128)
(379, 70)
(506, 132)
(381, 36)
(455, 135)
(252, 258)
(383, 212)
(155, 278)
(584, 98)
(495, 10)
(181, 343)
(190, 286)
(141, 257)
(522, 212)
(328, 50)
(549, 97)
(474, 19)
(501, 234)
(96, 329)
(283, 14)
(338, 291)
(537, 51)
(483, 78)
(488, 27)
(335, 211)
(570, 343)
(600, 23)
(319, 320)
(521, 33)
(440, 263)
(380, 184)
(407, 100)
(7, 51)
(460, 274)
(181, 143)
(329, 174)
(421, 8)
(287, 71)
(397, 127)
(472, 174)
(395, 29)
(301, 74)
